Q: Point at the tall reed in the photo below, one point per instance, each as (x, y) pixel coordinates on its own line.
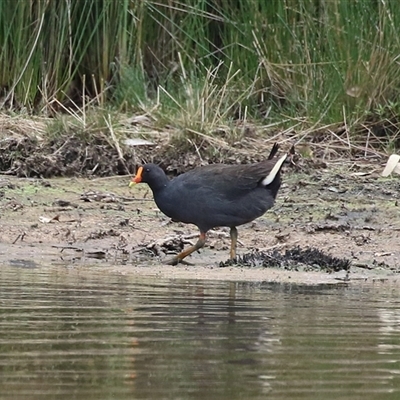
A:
(317, 61)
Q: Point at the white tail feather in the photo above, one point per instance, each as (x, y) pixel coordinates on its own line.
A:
(271, 176)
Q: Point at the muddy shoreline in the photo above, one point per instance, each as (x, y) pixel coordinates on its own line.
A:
(101, 223)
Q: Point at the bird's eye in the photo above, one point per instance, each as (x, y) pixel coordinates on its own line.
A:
(147, 169)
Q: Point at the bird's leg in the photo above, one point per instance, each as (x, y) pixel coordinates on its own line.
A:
(179, 257)
(234, 236)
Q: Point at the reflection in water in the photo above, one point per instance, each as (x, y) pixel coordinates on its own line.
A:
(389, 343)
(91, 334)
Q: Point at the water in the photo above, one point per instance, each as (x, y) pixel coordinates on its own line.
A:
(93, 334)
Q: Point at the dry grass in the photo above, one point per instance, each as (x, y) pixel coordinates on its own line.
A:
(102, 135)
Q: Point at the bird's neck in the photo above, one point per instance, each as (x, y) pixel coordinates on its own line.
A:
(159, 186)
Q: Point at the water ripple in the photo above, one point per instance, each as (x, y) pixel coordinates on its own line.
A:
(91, 334)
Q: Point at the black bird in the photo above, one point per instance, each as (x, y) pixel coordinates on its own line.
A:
(215, 195)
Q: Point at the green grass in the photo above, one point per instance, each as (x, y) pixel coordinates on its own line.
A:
(203, 66)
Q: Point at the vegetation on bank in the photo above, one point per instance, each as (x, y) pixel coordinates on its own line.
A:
(323, 70)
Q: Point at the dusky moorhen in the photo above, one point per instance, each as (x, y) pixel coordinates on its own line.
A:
(215, 195)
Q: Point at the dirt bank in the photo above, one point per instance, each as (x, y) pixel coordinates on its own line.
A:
(345, 210)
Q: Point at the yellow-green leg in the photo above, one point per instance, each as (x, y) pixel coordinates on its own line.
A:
(179, 257)
(234, 236)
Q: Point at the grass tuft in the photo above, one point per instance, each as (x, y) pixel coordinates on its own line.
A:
(209, 72)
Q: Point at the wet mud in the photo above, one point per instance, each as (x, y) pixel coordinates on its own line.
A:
(345, 211)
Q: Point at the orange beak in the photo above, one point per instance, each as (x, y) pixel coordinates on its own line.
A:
(137, 178)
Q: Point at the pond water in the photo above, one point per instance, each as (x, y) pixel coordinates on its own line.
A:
(92, 334)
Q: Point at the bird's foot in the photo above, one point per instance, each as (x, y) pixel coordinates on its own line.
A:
(176, 260)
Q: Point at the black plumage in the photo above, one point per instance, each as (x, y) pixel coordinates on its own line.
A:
(215, 195)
